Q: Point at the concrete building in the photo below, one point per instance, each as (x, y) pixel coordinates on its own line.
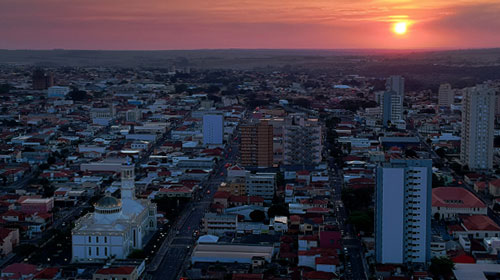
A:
(261, 184)
(446, 95)
(396, 84)
(478, 116)
(102, 116)
(219, 224)
(392, 107)
(403, 211)
(302, 140)
(256, 148)
(57, 92)
(9, 238)
(213, 129)
(42, 80)
(116, 227)
(133, 115)
(231, 253)
(37, 205)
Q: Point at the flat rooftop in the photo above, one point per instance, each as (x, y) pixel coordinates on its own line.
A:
(474, 271)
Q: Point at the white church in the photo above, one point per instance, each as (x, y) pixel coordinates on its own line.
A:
(117, 226)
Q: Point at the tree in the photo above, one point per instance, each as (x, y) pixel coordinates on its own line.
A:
(180, 88)
(212, 89)
(302, 102)
(78, 95)
(410, 153)
(437, 181)
(257, 216)
(441, 267)
(277, 210)
(362, 220)
(280, 179)
(357, 199)
(51, 160)
(5, 88)
(137, 254)
(441, 152)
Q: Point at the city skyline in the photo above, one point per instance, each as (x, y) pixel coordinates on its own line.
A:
(155, 25)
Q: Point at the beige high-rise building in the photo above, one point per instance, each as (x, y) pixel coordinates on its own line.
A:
(478, 113)
(256, 146)
(446, 95)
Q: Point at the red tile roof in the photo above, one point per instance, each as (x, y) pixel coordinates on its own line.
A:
(20, 269)
(455, 197)
(47, 273)
(479, 222)
(464, 259)
(320, 275)
(123, 270)
(222, 194)
(495, 183)
(248, 276)
(327, 260)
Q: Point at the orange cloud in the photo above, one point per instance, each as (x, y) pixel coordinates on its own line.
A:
(160, 24)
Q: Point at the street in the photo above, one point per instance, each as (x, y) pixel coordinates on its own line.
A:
(176, 248)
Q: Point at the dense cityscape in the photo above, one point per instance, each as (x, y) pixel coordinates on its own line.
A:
(282, 173)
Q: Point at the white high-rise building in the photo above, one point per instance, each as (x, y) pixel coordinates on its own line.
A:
(396, 84)
(403, 211)
(116, 227)
(392, 107)
(446, 95)
(302, 140)
(213, 129)
(478, 117)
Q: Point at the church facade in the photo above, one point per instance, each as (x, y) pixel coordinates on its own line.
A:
(116, 227)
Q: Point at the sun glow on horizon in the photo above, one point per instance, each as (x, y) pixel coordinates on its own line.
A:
(400, 28)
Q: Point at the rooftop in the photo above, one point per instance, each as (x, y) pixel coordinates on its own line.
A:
(455, 197)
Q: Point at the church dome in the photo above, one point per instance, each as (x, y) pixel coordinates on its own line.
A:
(108, 205)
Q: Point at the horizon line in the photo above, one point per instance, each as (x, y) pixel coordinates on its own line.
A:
(262, 49)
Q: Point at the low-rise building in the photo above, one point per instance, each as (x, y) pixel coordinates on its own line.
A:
(116, 273)
(449, 202)
(218, 224)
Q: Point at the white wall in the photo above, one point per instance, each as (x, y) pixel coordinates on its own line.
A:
(392, 215)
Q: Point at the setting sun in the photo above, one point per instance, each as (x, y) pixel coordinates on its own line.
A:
(400, 27)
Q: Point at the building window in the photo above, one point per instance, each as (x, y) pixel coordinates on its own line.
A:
(90, 239)
(97, 251)
(106, 251)
(90, 251)
(97, 239)
(105, 239)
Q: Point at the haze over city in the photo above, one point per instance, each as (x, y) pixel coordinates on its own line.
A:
(249, 139)
(220, 24)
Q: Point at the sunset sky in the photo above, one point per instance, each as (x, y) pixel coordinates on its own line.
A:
(196, 24)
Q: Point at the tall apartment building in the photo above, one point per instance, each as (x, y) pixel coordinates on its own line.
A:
(391, 104)
(446, 95)
(478, 113)
(278, 142)
(42, 80)
(302, 140)
(396, 84)
(256, 146)
(403, 211)
(213, 129)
